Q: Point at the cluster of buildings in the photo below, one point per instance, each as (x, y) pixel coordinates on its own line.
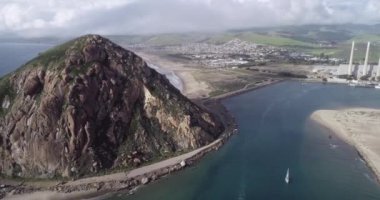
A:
(234, 46)
(236, 53)
(364, 71)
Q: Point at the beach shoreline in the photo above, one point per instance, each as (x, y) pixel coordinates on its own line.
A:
(355, 130)
(190, 86)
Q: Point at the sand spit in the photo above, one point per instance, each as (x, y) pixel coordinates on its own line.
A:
(359, 127)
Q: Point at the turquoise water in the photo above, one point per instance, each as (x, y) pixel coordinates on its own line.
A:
(13, 55)
(275, 134)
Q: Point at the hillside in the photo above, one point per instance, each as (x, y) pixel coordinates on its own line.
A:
(331, 40)
(90, 105)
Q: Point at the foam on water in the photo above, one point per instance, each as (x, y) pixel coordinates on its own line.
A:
(170, 75)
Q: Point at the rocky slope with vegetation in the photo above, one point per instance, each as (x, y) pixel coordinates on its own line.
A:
(89, 105)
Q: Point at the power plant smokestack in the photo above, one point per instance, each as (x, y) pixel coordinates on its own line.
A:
(351, 58)
(366, 60)
(378, 69)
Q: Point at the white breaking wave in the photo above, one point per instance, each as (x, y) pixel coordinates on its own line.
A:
(170, 75)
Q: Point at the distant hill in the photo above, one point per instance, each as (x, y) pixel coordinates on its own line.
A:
(332, 40)
(317, 33)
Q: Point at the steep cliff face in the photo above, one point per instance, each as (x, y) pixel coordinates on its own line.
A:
(88, 105)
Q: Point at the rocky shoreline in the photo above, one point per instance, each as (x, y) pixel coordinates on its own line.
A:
(128, 183)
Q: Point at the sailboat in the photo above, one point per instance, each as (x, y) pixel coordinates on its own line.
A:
(287, 177)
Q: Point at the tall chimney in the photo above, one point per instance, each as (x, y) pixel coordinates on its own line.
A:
(351, 58)
(378, 69)
(366, 60)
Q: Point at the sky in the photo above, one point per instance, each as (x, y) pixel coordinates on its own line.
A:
(40, 18)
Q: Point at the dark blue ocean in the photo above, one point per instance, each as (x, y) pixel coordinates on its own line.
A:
(13, 55)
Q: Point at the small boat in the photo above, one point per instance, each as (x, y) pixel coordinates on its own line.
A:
(287, 177)
(377, 86)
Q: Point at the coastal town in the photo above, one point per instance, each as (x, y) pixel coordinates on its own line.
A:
(256, 62)
(235, 53)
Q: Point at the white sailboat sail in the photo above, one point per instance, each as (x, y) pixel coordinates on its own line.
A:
(287, 176)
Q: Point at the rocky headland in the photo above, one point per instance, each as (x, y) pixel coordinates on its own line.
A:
(90, 105)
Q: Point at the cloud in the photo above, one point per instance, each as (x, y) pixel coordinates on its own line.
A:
(36, 17)
(31, 18)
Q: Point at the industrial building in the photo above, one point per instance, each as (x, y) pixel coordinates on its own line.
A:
(359, 71)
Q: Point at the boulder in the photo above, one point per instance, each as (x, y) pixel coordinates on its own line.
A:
(144, 180)
(183, 163)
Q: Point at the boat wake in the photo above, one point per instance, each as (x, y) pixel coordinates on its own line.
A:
(287, 177)
(242, 189)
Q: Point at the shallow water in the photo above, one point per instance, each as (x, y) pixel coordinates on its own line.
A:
(275, 134)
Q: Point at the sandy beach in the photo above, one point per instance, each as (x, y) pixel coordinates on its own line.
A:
(192, 88)
(359, 127)
(199, 82)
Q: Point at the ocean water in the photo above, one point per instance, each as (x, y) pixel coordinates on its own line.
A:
(13, 55)
(276, 134)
